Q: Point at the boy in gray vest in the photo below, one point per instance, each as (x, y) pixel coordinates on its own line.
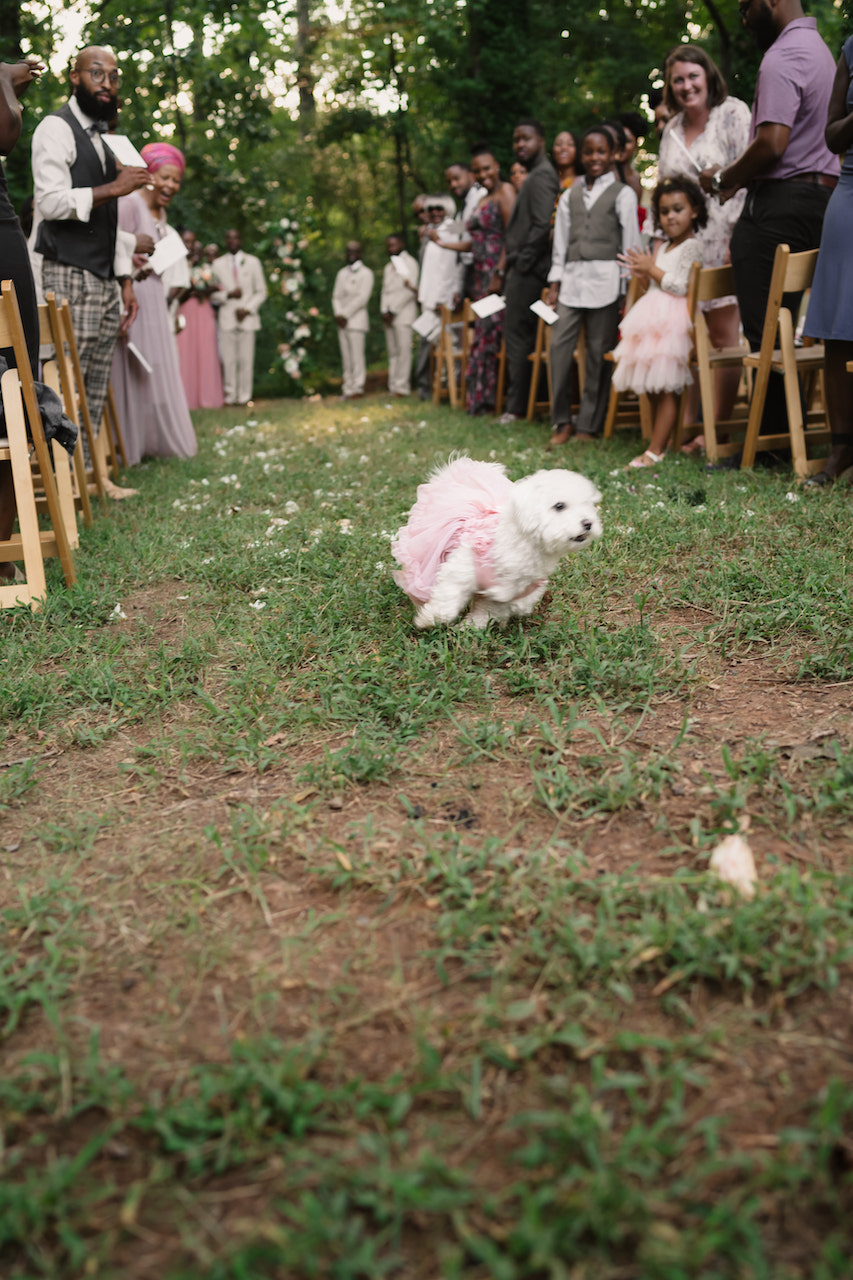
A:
(596, 220)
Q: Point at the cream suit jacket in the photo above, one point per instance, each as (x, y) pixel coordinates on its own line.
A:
(250, 279)
(350, 297)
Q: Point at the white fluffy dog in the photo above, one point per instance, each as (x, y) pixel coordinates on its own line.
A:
(474, 538)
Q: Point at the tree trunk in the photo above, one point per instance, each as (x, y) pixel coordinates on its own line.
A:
(10, 31)
(305, 79)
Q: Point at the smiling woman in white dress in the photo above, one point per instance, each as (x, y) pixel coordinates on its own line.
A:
(709, 130)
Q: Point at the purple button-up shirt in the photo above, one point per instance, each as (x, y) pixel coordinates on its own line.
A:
(793, 88)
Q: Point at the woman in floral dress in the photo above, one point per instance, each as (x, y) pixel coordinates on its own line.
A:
(486, 228)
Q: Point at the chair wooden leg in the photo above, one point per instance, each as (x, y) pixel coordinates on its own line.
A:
(793, 401)
(612, 410)
(534, 382)
(118, 434)
(450, 366)
(756, 409)
(31, 592)
(499, 396)
(646, 422)
(82, 483)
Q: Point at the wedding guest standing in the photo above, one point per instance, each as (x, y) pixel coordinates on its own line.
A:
(77, 186)
(485, 241)
(350, 296)
(830, 314)
(399, 306)
(708, 129)
(198, 348)
(242, 290)
(524, 264)
(151, 403)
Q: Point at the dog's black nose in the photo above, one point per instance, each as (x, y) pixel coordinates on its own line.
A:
(586, 525)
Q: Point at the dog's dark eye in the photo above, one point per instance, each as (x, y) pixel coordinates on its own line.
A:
(559, 506)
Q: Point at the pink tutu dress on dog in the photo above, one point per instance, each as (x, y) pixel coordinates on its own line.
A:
(458, 506)
(656, 336)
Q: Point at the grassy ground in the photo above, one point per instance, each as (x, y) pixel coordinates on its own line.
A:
(332, 949)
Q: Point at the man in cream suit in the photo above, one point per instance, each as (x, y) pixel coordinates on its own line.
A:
(353, 287)
(241, 291)
(399, 306)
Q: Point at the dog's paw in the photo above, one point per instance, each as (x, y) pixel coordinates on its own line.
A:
(423, 619)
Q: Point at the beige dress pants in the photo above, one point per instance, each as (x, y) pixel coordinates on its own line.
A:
(398, 336)
(352, 358)
(237, 347)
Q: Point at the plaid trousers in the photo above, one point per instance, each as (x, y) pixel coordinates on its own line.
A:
(96, 314)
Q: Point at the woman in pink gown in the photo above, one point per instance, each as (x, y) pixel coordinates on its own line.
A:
(151, 404)
(198, 349)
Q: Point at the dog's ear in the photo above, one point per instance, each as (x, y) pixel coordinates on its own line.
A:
(595, 496)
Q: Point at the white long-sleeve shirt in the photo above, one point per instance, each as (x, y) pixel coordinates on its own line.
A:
(54, 151)
(442, 273)
(597, 283)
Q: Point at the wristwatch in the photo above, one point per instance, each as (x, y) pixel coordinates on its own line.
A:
(717, 183)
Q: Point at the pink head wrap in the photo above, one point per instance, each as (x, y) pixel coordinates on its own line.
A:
(156, 154)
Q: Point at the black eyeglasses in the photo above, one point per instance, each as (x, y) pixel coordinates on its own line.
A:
(99, 75)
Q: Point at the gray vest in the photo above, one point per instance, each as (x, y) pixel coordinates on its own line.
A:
(90, 245)
(595, 235)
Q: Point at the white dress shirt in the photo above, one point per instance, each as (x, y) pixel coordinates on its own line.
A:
(598, 283)
(54, 151)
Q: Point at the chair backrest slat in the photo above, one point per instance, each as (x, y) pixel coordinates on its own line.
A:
(800, 270)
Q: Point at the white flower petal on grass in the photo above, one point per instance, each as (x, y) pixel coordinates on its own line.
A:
(749, 512)
(118, 612)
(733, 862)
(258, 604)
(792, 497)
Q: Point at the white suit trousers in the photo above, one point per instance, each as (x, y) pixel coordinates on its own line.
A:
(238, 364)
(352, 358)
(398, 335)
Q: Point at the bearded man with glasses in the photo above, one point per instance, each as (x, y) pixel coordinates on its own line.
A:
(77, 185)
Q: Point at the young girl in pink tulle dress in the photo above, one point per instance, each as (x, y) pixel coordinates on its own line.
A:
(656, 336)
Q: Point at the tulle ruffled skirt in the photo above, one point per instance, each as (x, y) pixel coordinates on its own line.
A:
(655, 341)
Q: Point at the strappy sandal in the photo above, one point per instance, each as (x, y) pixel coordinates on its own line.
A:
(647, 459)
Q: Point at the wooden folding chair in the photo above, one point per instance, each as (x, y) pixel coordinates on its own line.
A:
(57, 374)
(707, 284)
(624, 409)
(792, 273)
(30, 544)
(63, 324)
(451, 361)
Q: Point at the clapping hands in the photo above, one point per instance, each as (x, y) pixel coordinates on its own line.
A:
(638, 262)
